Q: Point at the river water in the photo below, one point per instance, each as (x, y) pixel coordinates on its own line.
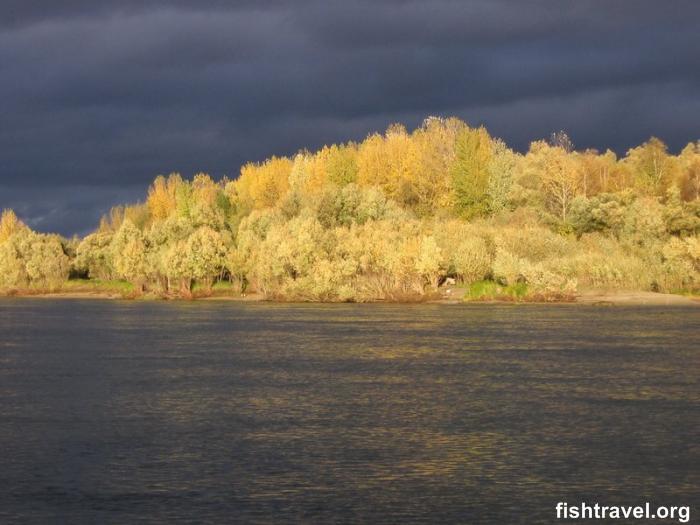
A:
(224, 412)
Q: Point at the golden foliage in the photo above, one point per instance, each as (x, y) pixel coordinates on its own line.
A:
(394, 216)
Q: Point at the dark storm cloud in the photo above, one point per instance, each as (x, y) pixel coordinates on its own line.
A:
(22, 12)
(98, 97)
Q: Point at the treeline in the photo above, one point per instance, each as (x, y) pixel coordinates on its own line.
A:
(391, 218)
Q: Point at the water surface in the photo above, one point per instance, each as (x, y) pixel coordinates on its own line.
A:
(117, 412)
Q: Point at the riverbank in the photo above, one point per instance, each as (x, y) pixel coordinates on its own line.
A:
(588, 297)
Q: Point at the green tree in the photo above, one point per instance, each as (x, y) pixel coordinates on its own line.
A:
(470, 172)
(603, 213)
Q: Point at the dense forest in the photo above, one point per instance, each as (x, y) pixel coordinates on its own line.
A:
(392, 218)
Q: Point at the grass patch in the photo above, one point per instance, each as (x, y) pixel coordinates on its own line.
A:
(75, 286)
(491, 290)
(519, 292)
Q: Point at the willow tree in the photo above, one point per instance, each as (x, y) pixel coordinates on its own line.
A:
(30, 258)
(161, 237)
(129, 254)
(44, 258)
(205, 255)
(94, 256)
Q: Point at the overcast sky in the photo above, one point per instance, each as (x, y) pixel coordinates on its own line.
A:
(99, 96)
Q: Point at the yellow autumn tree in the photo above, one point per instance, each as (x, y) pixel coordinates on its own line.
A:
(161, 198)
(9, 224)
(262, 185)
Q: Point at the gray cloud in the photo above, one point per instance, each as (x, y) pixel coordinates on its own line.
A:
(97, 98)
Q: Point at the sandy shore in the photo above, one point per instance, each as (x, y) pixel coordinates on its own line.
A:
(635, 298)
